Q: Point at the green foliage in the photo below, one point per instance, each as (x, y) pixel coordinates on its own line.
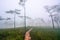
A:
(11, 34)
(44, 34)
(36, 34)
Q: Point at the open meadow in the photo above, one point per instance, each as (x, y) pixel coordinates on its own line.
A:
(37, 33)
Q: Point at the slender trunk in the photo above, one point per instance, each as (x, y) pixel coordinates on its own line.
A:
(24, 16)
(51, 18)
(58, 25)
(14, 21)
(52, 21)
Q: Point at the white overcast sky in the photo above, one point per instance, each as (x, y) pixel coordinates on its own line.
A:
(34, 8)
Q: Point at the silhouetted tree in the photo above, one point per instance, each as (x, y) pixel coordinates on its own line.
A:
(57, 20)
(29, 18)
(50, 11)
(56, 8)
(56, 16)
(5, 19)
(22, 3)
(13, 12)
(8, 19)
(26, 17)
(1, 18)
(42, 20)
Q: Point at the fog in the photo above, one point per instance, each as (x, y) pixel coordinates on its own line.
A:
(34, 9)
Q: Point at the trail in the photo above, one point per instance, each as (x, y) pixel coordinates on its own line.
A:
(27, 35)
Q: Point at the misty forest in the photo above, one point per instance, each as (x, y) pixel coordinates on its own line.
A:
(29, 19)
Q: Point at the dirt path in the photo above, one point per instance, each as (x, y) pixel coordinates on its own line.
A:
(27, 35)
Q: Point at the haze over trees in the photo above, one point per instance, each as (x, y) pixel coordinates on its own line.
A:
(54, 12)
(16, 11)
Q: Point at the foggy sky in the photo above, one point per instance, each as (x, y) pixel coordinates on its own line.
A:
(34, 8)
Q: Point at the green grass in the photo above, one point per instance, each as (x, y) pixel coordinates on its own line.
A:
(36, 34)
(11, 34)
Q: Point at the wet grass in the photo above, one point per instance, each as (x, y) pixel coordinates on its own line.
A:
(37, 34)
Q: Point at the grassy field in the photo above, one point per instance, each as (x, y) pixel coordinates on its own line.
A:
(36, 34)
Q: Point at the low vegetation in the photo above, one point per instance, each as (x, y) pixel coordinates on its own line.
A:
(36, 34)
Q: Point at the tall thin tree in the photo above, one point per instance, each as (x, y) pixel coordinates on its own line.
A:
(49, 10)
(14, 12)
(56, 8)
(22, 2)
